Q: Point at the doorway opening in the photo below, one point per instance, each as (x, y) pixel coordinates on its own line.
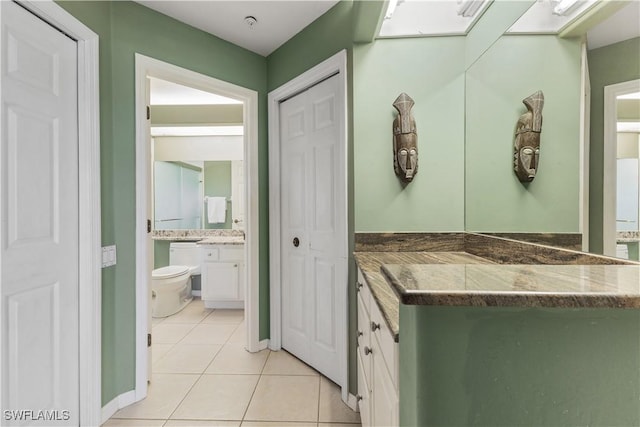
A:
(621, 210)
(242, 137)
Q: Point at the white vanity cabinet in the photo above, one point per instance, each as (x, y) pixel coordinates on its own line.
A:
(223, 276)
(377, 363)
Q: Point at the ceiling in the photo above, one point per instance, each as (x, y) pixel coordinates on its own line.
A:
(168, 93)
(623, 25)
(277, 21)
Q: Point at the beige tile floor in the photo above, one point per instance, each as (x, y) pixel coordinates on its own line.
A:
(203, 376)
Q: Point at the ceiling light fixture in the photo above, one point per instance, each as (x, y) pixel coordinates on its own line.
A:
(391, 8)
(564, 6)
(250, 20)
(468, 8)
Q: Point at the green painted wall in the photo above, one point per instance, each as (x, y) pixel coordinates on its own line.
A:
(323, 38)
(126, 28)
(512, 69)
(217, 182)
(431, 71)
(608, 65)
(160, 253)
(477, 366)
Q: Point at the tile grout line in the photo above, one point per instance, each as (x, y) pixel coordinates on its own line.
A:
(319, 395)
(254, 389)
(194, 383)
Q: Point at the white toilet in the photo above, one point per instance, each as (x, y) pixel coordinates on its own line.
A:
(171, 285)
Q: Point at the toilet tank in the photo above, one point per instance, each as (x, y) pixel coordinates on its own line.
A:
(185, 253)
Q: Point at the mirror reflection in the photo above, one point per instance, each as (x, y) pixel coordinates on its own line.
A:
(197, 150)
(582, 197)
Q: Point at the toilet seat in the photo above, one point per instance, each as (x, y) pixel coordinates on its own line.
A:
(169, 271)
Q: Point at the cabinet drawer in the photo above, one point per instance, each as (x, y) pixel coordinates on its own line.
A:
(388, 346)
(232, 254)
(363, 291)
(210, 254)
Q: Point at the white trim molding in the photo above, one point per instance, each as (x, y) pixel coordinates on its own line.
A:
(610, 169)
(150, 67)
(335, 65)
(90, 252)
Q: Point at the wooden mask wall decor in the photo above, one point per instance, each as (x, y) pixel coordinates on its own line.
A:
(526, 148)
(405, 140)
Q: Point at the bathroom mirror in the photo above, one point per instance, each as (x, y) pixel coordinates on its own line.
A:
(198, 195)
(507, 61)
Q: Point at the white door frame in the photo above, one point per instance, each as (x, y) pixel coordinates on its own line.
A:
(337, 64)
(150, 67)
(90, 253)
(610, 169)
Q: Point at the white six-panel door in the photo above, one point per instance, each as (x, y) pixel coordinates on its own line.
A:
(39, 221)
(314, 265)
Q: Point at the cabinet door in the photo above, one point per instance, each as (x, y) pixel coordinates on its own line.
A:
(221, 281)
(384, 401)
(364, 394)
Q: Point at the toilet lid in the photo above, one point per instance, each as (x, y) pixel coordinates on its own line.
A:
(169, 271)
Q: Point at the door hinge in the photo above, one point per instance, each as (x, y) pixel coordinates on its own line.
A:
(148, 113)
(148, 226)
(148, 340)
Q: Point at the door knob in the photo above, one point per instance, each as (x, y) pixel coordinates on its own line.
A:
(296, 242)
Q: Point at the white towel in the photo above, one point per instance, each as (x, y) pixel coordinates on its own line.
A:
(216, 210)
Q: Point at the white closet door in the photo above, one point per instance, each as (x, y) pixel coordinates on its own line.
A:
(313, 227)
(39, 222)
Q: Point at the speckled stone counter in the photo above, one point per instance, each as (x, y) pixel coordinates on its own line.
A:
(370, 264)
(196, 235)
(628, 236)
(373, 250)
(557, 286)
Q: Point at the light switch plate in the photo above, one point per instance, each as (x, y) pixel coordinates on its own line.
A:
(108, 256)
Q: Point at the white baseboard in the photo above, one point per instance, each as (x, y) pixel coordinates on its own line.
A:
(353, 402)
(224, 304)
(273, 347)
(196, 293)
(118, 402)
(263, 344)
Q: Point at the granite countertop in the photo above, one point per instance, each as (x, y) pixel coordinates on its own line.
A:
(206, 236)
(628, 236)
(561, 286)
(370, 264)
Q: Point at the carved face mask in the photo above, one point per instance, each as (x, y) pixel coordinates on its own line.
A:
(527, 142)
(405, 140)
